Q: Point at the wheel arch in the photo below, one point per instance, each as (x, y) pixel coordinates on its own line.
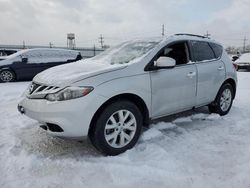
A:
(138, 101)
(232, 82)
(10, 69)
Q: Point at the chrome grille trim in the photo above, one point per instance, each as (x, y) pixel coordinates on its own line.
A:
(39, 91)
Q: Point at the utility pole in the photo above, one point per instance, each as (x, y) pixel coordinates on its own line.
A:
(244, 44)
(51, 45)
(101, 41)
(207, 35)
(24, 45)
(162, 30)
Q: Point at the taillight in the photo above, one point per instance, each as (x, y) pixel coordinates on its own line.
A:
(235, 66)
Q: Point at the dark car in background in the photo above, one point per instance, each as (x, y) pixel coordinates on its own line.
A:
(7, 52)
(4, 53)
(25, 64)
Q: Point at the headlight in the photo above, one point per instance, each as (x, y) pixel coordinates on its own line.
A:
(69, 93)
(26, 91)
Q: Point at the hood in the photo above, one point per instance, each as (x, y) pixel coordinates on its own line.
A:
(5, 61)
(67, 74)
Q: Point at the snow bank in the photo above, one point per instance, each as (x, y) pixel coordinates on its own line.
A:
(183, 120)
(150, 134)
(163, 126)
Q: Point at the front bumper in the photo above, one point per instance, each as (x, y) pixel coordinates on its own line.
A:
(73, 116)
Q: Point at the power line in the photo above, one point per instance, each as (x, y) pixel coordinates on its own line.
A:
(244, 44)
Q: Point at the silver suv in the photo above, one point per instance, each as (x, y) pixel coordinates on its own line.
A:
(110, 97)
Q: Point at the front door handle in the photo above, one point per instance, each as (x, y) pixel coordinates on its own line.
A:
(191, 74)
(221, 68)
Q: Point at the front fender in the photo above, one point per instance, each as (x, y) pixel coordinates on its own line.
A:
(138, 85)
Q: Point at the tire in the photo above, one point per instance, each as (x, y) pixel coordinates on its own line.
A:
(7, 76)
(223, 101)
(112, 134)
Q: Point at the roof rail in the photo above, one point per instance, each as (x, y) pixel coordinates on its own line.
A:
(193, 35)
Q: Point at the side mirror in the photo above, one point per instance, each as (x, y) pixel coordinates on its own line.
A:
(164, 63)
(24, 60)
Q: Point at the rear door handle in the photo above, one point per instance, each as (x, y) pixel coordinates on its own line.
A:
(221, 68)
(191, 74)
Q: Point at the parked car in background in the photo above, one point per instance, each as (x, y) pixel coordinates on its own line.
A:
(243, 62)
(25, 64)
(4, 53)
(7, 52)
(111, 96)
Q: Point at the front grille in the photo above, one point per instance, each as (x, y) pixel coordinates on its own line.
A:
(38, 91)
(33, 87)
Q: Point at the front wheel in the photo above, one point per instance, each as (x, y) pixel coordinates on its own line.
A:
(223, 101)
(7, 76)
(117, 128)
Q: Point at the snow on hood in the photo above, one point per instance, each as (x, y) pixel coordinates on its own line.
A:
(69, 73)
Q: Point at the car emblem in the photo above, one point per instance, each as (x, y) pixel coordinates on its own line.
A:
(31, 88)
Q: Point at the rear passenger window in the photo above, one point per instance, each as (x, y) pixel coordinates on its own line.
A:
(217, 49)
(202, 51)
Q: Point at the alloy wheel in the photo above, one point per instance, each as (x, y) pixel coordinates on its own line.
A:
(225, 100)
(120, 128)
(6, 76)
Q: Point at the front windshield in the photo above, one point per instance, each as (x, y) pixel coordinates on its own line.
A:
(126, 52)
(16, 54)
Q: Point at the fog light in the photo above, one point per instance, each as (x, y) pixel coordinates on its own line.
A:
(21, 109)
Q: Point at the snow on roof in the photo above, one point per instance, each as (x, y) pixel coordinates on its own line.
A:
(244, 58)
(190, 37)
(56, 50)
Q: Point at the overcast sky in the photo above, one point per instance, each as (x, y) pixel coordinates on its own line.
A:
(43, 21)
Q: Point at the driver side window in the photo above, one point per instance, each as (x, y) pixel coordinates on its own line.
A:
(178, 51)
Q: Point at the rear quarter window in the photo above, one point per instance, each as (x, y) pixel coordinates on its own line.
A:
(218, 49)
(202, 51)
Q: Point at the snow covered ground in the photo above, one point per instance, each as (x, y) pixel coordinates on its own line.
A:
(197, 149)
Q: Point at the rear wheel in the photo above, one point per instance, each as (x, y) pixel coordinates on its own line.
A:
(117, 129)
(7, 76)
(223, 101)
